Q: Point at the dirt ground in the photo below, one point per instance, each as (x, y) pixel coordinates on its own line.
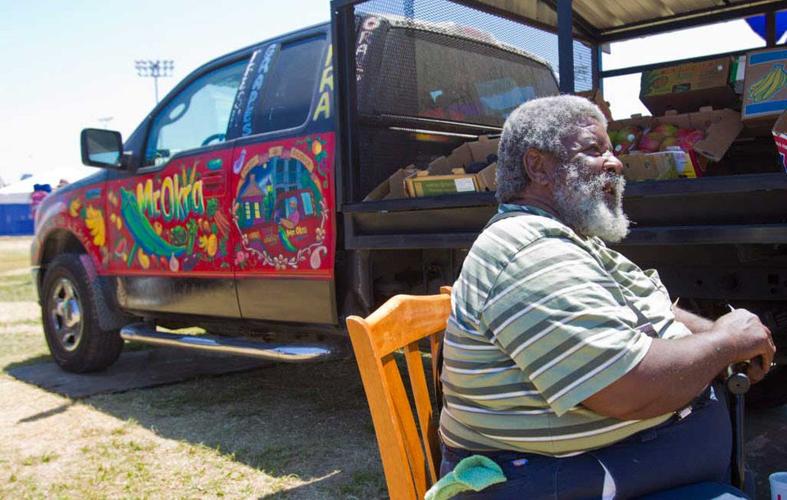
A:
(283, 431)
(289, 431)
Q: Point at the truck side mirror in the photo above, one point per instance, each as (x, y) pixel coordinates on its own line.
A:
(102, 148)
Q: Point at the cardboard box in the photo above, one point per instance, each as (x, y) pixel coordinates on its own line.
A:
(486, 178)
(435, 185)
(440, 166)
(658, 166)
(482, 148)
(765, 85)
(721, 128)
(461, 156)
(464, 155)
(597, 98)
(393, 187)
(779, 132)
(687, 87)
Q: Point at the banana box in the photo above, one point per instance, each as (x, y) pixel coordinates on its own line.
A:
(765, 85)
(659, 166)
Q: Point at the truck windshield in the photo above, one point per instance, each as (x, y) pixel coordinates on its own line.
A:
(434, 75)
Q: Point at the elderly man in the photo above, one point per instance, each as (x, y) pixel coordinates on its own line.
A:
(565, 362)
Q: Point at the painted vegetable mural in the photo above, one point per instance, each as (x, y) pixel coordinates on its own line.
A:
(168, 223)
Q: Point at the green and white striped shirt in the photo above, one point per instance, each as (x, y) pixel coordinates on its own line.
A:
(542, 319)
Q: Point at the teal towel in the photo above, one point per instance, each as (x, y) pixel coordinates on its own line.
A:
(474, 473)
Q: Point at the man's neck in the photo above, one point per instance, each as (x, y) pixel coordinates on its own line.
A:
(538, 201)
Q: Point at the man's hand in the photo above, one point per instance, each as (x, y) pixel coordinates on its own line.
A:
(674, 371)
(748, 340)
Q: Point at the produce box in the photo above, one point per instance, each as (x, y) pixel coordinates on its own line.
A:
(435, 185)
(658, 166)
(780, 137)
(393, 187)
(720, 127)
(687, 87)
(465, 155)
(486, 179)
(483, 147)
(765, 85)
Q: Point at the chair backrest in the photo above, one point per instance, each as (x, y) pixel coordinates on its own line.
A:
(411, 462)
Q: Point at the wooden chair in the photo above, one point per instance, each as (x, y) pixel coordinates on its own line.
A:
(411, 462)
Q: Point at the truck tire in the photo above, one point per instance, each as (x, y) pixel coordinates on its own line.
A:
(69, 315)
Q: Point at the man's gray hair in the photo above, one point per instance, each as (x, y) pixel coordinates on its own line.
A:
(541, 124)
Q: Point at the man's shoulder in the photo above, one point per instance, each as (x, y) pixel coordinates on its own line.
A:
(507, 237)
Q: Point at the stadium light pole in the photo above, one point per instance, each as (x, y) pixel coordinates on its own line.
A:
(154, 69)
(105, 120)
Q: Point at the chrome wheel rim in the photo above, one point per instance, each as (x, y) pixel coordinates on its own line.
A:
(66, 314)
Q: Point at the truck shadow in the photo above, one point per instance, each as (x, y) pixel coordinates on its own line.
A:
(309, 420)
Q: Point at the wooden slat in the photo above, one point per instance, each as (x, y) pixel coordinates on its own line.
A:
(423, 406)
(413, 448)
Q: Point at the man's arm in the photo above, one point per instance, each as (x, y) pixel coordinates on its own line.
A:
(693, 322)
(674, 371)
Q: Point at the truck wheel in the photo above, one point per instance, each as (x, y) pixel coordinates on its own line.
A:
(770, 392)
(71, 327)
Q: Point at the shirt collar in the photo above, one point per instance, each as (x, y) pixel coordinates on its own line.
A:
(530, 209)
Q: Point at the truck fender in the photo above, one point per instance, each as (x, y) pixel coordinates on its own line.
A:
(110, 316)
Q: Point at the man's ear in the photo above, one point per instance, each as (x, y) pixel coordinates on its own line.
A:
(536, 166)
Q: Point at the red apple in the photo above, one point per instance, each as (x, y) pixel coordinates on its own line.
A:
(649, 143)
(688, 137)
(666, 129)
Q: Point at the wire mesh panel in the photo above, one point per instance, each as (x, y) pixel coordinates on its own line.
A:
(435, 65)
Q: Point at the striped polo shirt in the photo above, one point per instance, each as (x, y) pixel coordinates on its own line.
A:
(542, 319)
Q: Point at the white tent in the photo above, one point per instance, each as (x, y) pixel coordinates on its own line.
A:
(19, 191)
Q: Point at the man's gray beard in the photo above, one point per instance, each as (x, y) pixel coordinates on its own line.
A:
(585, 207)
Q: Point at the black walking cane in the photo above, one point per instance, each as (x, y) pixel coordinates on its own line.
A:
(738, 384)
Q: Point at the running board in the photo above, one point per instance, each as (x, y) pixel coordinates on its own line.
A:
(145, 333)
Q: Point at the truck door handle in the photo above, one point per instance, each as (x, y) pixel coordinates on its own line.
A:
(214, 184)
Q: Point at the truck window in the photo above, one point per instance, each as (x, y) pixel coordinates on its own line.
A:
(196, 117)
(418, 77)
(290, 87)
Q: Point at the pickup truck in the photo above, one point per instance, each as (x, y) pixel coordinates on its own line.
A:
(240, 203)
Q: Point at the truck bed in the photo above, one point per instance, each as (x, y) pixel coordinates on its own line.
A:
(745, 209)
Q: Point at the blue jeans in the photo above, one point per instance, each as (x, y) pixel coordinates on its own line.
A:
(694, 449)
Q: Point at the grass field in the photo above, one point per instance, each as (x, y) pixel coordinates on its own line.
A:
(284, 431)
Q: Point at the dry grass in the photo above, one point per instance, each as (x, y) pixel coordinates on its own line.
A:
(285, 431)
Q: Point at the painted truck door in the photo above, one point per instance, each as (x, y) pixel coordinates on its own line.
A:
(283, 185)
(170, 234)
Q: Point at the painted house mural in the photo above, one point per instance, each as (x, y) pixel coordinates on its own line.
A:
(280, 208)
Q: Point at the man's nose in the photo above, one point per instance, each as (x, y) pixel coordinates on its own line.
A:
(613, 165)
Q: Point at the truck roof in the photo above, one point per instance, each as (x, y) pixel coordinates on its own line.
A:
(622, 19)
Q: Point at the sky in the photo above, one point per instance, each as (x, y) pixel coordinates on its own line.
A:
(68, 65)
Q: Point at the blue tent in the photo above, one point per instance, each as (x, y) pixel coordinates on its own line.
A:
(15, 219)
